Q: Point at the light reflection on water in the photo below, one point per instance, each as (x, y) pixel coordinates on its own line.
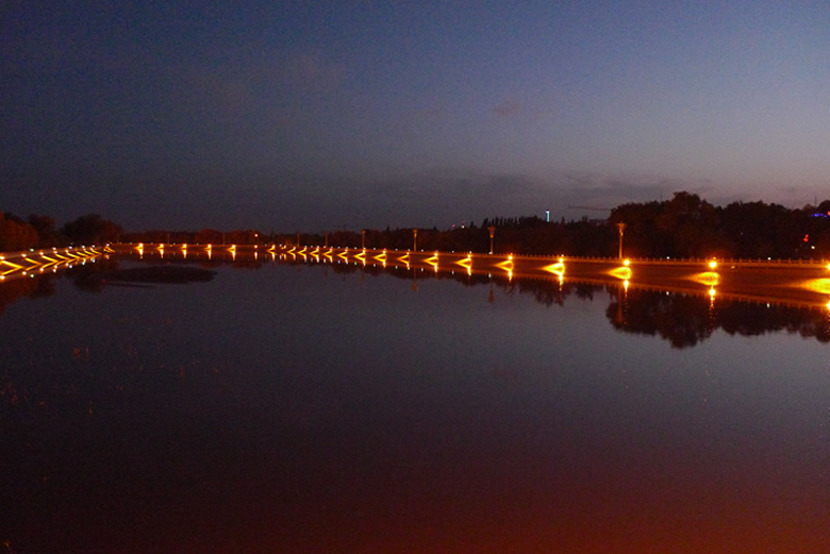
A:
(306, 409)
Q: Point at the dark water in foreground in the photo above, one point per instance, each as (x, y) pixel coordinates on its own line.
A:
(297, 408)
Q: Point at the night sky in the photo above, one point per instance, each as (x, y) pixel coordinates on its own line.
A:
(318, 115)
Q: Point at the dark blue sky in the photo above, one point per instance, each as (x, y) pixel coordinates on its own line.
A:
(316, 115)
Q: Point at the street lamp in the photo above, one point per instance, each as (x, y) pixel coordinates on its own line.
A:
(363, 239)
(414, 240)
(621, 227)
(492, 230)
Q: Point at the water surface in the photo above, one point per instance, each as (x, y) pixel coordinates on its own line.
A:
(324, 408)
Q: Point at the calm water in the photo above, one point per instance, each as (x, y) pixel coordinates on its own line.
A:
(316, 408)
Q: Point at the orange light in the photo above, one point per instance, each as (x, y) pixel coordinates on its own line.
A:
(709, 278)
(816, 285)
(466, 263)
(507, 264)
(556, 269)
(623, 273)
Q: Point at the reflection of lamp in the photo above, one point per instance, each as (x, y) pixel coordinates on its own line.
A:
(620, 316)
(507, 265)
(466, 263)
(557, 268)
(433, 261)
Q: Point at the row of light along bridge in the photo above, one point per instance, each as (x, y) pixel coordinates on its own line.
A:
(781, 281)
(29, 263)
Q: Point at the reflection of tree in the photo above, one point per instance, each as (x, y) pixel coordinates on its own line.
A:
(84, 275)
(12, 290)
(681, 319)
(685, 320)
(42, 286)
(744, 318)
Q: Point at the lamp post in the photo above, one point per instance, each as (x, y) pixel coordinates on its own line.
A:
(414, 240)
(492, 230)
(363, 239)
(621, 227)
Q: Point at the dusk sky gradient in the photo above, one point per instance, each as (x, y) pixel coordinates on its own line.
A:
(313, 116)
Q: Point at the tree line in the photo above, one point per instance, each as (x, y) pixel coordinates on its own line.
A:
(41, 231)
(684, 226)
(688, 226)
